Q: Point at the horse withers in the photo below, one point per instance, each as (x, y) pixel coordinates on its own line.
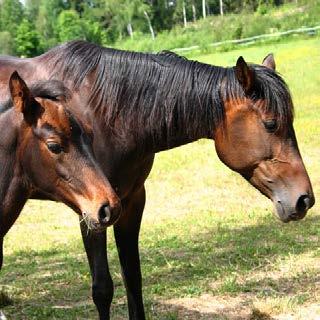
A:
(45, 153)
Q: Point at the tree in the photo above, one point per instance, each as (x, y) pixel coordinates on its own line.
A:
(32, 9)
(70, 26)
(46, 22)
(162, 12)
(93, 31)
(149, 24)
(204, 9)
(11, 16)
(6, 43)
(180, 13)
(194, 11)
(27, 39)
(184, 13)
(122, 14)
(221, 7)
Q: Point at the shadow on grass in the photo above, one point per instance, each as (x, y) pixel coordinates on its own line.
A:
(54, 284)
(223, 252)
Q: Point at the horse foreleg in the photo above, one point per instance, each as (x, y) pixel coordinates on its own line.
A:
(102, 285)
(126, 234)
(8, 215)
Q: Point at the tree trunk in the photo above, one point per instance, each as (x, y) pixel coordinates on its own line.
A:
(184, 14)
(204, 9)
(221, 7)
(194, 14)
(149, 24)
(130, 30)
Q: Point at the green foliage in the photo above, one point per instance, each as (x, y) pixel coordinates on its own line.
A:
(6, 43)
(162, 15)
(27, 39)
(231, 26)
(46, 22)
(93, 32)
(69, 26)
(32, 9)
(11, 15)
(126, 14)
(126, 23)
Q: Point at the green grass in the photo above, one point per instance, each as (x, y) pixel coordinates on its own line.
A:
(207, 236)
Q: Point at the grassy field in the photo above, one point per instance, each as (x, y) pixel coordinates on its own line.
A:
(210, 245)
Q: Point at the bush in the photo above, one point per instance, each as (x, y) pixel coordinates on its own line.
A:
(70, 26)
(27, 39)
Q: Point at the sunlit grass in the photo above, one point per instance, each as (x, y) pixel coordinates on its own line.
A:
(206, 232)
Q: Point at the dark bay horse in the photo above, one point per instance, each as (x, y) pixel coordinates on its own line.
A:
(45, 152)
(133, 105)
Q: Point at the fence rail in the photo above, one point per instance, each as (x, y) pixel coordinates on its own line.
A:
(310, 30)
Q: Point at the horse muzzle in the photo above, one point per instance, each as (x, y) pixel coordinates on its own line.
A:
(107, 216)
(292, 211)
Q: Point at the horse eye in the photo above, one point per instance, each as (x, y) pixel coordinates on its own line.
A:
(54, 147)
(271, 125)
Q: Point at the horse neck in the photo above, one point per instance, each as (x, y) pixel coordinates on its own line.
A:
(168, 137)
(12, 189)
(156, 137)
(158, 101)
(164, 117)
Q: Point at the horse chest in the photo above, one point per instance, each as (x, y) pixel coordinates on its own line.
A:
(126, 171)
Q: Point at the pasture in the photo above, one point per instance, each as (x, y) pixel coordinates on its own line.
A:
(210, 245)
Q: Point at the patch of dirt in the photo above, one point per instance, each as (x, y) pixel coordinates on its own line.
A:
(310, 312)
(208, 307)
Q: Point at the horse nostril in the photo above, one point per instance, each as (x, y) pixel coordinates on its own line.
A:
(104, 214)
(303, 204)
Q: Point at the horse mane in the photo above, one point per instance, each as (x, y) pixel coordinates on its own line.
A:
(51, 89)
(162, 93)
(271, 87)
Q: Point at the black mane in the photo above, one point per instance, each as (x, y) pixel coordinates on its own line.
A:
(162, 93)
(51, 89)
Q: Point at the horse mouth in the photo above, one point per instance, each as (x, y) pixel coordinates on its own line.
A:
(280, 212)
(92, 225)
(107, 217)
(285, 215)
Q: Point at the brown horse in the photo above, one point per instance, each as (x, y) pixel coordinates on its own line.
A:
(133, 105)
(44, 151)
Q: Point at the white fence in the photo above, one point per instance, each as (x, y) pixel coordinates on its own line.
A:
(310, 30)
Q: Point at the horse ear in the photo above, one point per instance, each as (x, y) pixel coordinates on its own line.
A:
(269, 62)
(244, 75)
(22, 98)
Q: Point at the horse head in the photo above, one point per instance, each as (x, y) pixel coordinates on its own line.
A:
(257, 139)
